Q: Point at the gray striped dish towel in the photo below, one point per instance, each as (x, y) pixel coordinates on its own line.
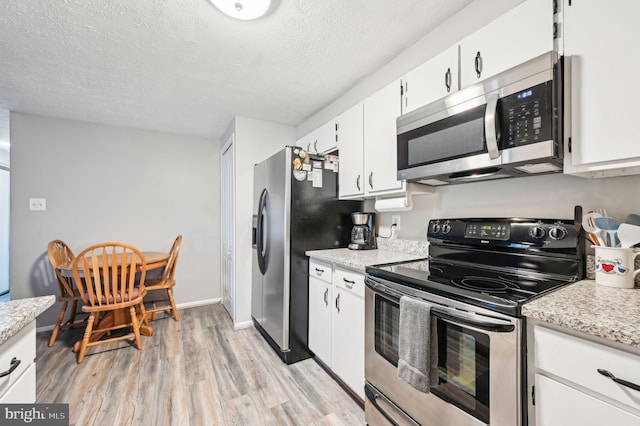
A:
(417, 345)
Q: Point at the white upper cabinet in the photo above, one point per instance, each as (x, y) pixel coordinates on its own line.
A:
(320, 140)
(380, 112)
(600, 41)
(350, 143)
(522, 33)
(430, 81)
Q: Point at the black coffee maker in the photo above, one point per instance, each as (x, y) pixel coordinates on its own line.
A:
(363, 234)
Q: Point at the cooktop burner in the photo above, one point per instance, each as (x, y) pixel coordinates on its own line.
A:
(497, 263)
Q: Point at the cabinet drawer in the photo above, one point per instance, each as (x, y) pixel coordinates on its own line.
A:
(578, 360)
(23, 391)
(21, 346)
(351, 281)
(319, 269)
(561, 405)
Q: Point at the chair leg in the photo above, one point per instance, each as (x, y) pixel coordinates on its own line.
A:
(85, 339)
(145, 318)
(72, 320)
(56, 328)
(173, 304)
(136, 326)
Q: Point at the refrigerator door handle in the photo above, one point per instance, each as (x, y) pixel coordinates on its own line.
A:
(261, 248)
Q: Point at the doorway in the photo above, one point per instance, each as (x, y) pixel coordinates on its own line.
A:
(227, 221)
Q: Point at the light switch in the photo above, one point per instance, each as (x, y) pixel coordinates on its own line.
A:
(37, 204)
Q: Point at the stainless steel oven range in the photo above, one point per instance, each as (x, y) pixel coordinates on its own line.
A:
(478, 275)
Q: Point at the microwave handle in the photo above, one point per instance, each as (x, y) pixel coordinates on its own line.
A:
(490, 132)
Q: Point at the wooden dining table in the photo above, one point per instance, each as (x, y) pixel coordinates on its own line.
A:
(154, 260)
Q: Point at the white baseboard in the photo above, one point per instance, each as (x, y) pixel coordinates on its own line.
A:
(198, 303)
(243, 324)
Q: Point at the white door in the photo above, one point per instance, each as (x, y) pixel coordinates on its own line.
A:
(227, 231)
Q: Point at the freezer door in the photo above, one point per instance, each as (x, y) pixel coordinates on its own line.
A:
(275, 297)
(257, 277)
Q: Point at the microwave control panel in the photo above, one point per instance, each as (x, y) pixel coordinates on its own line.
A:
(527, 116)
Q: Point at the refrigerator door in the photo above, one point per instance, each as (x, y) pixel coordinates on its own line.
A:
(270, 292)
(257, 277)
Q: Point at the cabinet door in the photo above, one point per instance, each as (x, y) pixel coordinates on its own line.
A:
(320, 309)
(561, 405)
(524, 32)
(322, 139)
(325, 138)
(601, 38)
(380, 112)
(348, 339)
(350, 143)
(432, 80)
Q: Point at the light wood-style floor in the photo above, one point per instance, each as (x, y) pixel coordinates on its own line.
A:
(198, 371)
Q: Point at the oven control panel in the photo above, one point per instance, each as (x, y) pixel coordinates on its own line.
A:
(513, 233)
(487, 230)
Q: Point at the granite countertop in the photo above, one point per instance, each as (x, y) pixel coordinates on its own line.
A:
(15, 314)
(585, 306)
(388, 251)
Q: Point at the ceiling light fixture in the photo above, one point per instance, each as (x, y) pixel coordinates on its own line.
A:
(243, 9)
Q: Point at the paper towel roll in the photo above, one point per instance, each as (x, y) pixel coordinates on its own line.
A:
(394, 204)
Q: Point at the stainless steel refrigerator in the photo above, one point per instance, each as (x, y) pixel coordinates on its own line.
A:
(296, 208)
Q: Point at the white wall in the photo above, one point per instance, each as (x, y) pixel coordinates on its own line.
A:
(106, 183)
(548, 196)
(255, 141)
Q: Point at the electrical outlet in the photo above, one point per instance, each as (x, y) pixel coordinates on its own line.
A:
(37, 204)
(396, 219)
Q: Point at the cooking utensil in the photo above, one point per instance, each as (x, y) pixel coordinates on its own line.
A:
(610, 226)
(628, 234)
(594, 234)
(633, 219)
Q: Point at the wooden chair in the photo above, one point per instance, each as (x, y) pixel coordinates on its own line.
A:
(165, 283)
(60, 253)
(106, 278)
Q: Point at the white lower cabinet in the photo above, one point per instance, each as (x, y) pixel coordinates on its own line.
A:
(320, 310)
(569, 389)
(347, 346)
(17, 358)
(562, 405)
(336, 321)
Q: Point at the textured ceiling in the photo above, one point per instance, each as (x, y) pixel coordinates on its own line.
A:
(182, 66)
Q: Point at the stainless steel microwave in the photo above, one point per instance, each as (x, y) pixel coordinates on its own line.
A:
(506, 126)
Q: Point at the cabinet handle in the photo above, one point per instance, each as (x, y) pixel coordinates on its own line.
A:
(371, 180)
(15, 362)
(326, 297)
(619, 381)
(358, 182)
(478, 64)
(309, 147)
(320, 271)
(315, 146)
(338, 302)
(348, 283)
(447, 79)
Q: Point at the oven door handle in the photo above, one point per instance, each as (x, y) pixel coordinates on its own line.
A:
(381, 288)
(376, 397)
(485, 324)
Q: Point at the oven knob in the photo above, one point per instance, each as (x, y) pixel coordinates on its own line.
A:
(435, 228)
(446, 228)
(537, 232)
(557, 233)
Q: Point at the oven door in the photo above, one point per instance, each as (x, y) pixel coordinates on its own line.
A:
(478, 363)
